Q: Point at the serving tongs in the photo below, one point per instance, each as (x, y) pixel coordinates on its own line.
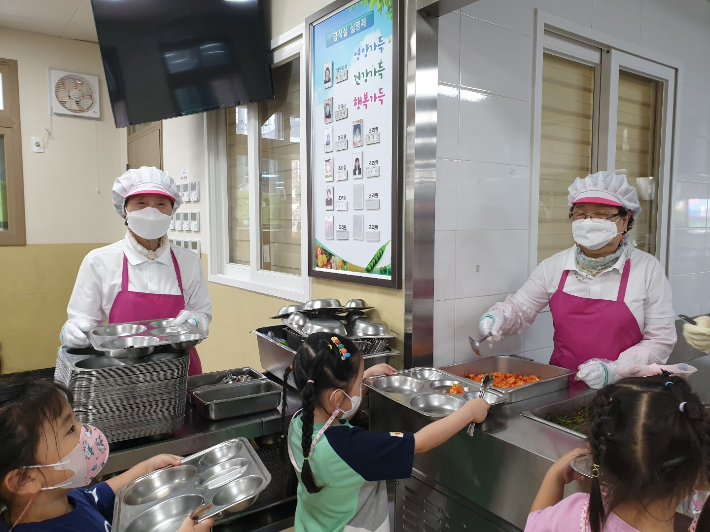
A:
(486, 383)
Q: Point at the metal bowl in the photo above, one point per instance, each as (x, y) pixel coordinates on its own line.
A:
(119, 329)
(288, 310)
(427, 374)
(100, 363)
(318, 304)
(222, 474)
(296, 321)
(183, 342)
(446, 384)
(355, 315)
(436, 404)
(168, 322)
(163, 331)
(240, 494)
(159, 484)
(221, 454)
(368, 327)
(325, 325)
(397, 384)
(166, 516)
(130, 346)
(357, 304)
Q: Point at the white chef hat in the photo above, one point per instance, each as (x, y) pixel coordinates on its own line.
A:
(144, 180)
(606, 188)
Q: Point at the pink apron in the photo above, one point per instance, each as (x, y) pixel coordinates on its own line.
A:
(139, 306)
(591, 328)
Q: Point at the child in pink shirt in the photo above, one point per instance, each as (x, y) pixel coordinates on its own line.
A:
(650, 445)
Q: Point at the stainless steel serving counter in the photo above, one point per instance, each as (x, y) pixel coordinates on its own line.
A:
(494, 474)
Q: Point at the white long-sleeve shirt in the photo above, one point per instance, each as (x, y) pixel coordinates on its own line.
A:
(648, 296)
(99, 280)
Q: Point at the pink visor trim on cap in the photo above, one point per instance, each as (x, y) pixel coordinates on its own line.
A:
(602, 201)
(149, 191)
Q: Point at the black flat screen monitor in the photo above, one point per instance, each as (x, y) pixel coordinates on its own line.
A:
(167, 58)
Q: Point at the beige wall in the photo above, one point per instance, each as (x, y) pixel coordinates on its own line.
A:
(283, 15)
(67, 198)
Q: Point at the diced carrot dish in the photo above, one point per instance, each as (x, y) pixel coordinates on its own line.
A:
(456, 389)
(505, 380)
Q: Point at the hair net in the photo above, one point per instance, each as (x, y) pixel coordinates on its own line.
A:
(144, 180)
(607, 187)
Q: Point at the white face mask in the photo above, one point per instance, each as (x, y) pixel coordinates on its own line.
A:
(354, 401)
(148, 223)
(594, 234)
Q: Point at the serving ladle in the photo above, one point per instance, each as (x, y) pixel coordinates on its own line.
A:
(485, 384)
(476, 344)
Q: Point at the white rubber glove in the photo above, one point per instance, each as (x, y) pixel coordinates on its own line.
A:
(492, 322)
(73, 333)
(698, 336)
(195, 318)
(597, 373)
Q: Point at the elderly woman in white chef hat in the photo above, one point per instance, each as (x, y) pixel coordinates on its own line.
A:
(611, 303)
(141, 277)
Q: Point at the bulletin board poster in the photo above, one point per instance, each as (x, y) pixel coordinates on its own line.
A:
(353, 144)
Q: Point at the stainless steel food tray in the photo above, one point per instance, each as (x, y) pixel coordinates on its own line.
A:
(230, 476)
(162, 330)
(238, 399)
(561, 407)
(422, 390)
(553, 378)
(209, 380)
(275, 357)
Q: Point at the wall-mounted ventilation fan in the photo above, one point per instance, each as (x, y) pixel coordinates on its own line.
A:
(73, 94)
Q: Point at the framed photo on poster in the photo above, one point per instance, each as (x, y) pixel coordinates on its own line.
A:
(352, 52)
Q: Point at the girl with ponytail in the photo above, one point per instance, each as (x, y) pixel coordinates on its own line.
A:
(342, 469)
(649, 440)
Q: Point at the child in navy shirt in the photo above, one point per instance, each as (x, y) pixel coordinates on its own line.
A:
(46, 459)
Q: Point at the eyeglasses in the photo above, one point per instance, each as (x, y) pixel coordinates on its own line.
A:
(576, 216)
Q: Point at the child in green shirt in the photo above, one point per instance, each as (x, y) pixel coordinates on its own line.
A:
(342, 469)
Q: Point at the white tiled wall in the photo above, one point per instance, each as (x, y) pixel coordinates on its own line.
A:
(484, 142)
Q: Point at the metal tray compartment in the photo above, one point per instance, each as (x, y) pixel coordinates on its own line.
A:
(275, 356)
(209, 380)
(111, 339)
(238, 399)
(552, 378)
(161, 500)
(561, 407)
(421, 390)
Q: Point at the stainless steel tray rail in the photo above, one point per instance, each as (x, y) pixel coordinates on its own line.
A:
(230, 476)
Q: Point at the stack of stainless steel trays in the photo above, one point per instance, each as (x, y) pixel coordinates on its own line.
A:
(276, 356)
(552, 378)
(140, 338)
(424, 390)
(229, 477)
(126, 398)
(216, 400)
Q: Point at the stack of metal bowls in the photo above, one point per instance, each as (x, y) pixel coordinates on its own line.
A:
(370, 336)
(128, 397)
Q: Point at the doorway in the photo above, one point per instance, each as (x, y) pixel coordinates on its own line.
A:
(145, 145)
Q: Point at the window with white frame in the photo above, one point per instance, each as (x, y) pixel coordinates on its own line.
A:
(255, 167)
(601, 109)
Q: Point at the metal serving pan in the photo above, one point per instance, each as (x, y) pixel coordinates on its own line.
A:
(230, 476)
(552, 378)
(209, 380)
(561, 407)
(238, 399)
